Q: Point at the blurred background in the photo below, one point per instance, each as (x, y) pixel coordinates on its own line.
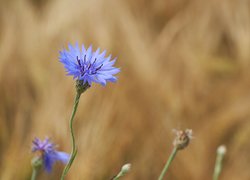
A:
(184, 64)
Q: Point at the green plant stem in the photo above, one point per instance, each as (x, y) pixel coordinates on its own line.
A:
(34, 174)
(170, 159)
(118, 176)
(74, 149)
(218, 166)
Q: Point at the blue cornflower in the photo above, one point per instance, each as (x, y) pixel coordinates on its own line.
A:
(89, 66)
(48, 154)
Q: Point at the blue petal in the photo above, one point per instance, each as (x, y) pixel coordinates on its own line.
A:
(101, 80)
(48, 162)
(83, 52)
(94, 56)
(62, 156)
(102, 55)
(89, 54)
(112, 79)
(101, 58)
(111, 71)
(109, 63)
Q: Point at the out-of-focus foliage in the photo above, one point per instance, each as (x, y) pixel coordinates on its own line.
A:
(184, 64)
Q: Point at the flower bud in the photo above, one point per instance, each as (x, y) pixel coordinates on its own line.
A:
(37, 162)
(222, 150)
(126, 168)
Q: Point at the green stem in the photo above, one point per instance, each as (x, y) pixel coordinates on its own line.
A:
(170, 159)
(74, 149)
(34, 174)
(118, 176)
(218, 165)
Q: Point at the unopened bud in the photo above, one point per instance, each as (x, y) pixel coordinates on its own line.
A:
(222, 149)
(126, 168)
(37, 162)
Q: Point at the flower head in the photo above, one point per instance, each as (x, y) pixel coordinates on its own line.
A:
(182, 138)
(88, 66)
(48, 154)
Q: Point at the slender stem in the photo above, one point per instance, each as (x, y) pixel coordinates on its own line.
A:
(34, 174)
(170, 159)
(74, 149)
(218, 164)
(118, 176)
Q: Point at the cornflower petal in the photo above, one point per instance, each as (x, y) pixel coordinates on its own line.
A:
(62, 156)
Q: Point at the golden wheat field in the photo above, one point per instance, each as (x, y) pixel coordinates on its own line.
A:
(184, 64)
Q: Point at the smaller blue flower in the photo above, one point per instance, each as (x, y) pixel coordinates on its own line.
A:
(47, 152)
(89, 66)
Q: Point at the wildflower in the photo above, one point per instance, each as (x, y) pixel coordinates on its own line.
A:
(47, 154)
(89, 66)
